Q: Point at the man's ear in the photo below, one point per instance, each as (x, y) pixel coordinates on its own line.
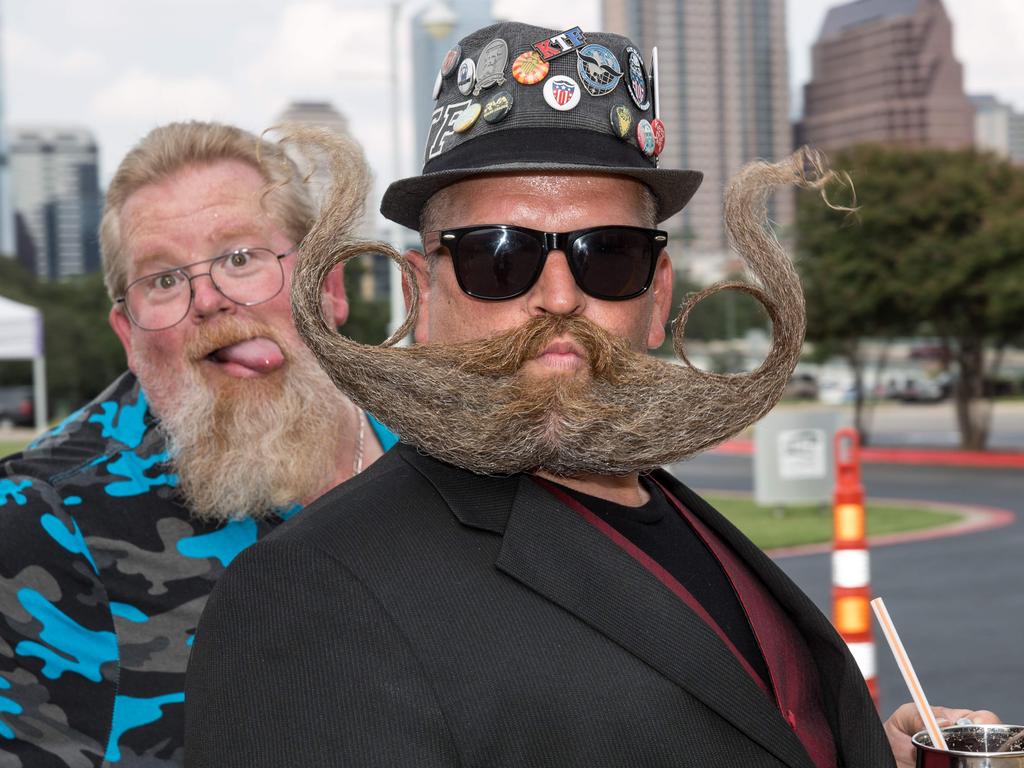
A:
(421, 273)
(334, 301)
(661, 290)
(122, 326)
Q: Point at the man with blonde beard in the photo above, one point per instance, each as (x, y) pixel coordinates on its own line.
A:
(519, 584)
(115, 525)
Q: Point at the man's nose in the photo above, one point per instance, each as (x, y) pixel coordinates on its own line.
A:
(206, 299)
(555, 291)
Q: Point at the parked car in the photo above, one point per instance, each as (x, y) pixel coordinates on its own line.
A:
(16, 408)
(801, 386)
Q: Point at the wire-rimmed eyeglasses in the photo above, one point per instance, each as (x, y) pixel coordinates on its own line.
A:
(246, 276)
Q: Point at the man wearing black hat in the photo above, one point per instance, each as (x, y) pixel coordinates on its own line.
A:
(531, 590)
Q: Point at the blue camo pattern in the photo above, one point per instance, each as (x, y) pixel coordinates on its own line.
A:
(103, 575)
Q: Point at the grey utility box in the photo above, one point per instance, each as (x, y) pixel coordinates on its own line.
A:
(794, 460)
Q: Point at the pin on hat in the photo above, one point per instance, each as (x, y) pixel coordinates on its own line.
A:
(622, 120)
(467, 77)
(637, 79)
(645, 137)
(598, 69)
(451, 60)
(437, 84)
(491, 69)
(561, 93)
(466, 118)
(566, 125)
(565, 42)
(498, 107)
(659, 136)
(529, 68)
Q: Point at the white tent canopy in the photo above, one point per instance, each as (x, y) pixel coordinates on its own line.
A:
(21, 338)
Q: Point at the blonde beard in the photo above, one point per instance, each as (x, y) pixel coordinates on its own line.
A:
(250, 447)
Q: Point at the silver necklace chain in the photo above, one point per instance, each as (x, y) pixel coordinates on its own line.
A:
(357, 461)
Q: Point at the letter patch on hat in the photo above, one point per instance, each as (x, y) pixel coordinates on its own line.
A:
(560, 44)
(442, 125)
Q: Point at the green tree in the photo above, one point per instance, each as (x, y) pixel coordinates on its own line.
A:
(367, 317)
(82, 354)
(726, 315)
(937, 246)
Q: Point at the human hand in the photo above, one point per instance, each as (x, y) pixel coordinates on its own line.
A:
(905, 722)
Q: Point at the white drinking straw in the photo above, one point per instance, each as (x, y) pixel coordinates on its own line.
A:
(903, 662)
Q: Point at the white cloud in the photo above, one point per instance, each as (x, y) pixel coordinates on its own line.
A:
(989, 46)
(138, 94)
(544, 13)
(316, 47)
(26, 51)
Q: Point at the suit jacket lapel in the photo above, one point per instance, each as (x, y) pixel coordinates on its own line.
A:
(556, 553)
(859, 739)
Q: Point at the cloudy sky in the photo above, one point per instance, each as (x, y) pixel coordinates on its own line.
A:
(120, 67)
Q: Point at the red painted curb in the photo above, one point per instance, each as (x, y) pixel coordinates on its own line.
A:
(920, 456)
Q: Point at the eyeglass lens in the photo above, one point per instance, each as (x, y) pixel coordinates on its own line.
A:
(613, 263)
(247, 277)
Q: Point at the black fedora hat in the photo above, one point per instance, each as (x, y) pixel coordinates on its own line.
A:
(514, 98)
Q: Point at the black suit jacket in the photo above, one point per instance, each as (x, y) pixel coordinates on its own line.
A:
(421, 615)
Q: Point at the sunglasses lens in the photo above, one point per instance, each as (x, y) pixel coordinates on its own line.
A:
(493, 263)
(613, 263)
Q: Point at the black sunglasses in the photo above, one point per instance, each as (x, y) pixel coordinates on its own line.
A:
(497, 261)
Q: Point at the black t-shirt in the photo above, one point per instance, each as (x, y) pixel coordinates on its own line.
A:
(666, 537)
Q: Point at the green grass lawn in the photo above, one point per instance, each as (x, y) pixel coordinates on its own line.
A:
(813, 525)
(7, 447)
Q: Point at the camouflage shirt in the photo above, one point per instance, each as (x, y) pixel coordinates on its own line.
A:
(103, 575)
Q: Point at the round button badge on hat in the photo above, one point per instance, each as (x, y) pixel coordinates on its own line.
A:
(645, 137)
(467, 77)
(451, 60)
(529, 68)
(659, 136)
(437, 83)
(637, 83)
(561, 93)
(622, 120)
(466, 118)
(498, 107)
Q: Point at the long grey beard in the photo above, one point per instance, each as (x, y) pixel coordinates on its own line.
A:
(248, 448)
(466, 404)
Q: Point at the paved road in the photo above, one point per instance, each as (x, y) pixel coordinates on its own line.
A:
(957, 602)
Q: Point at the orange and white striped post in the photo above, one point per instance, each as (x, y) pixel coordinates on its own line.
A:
(851, 565)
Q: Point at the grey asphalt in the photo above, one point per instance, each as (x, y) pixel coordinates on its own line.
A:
(957, 602)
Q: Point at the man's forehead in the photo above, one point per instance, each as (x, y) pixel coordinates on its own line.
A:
(197, 203)
(564, 196)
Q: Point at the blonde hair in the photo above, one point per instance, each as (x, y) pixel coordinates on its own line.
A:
(168, 149)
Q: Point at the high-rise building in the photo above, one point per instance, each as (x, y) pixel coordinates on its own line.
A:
(724, 100)
(56, 198)
(6, 212)
(998, 128)
(884, 71)
(373, 271)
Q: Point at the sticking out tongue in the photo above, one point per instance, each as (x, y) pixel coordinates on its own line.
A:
(259, 355)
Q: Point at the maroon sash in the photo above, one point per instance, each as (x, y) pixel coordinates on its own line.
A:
(794, 675)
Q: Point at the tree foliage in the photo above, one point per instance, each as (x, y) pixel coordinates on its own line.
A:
(82, 353)
(936, 246)
(726, 315)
